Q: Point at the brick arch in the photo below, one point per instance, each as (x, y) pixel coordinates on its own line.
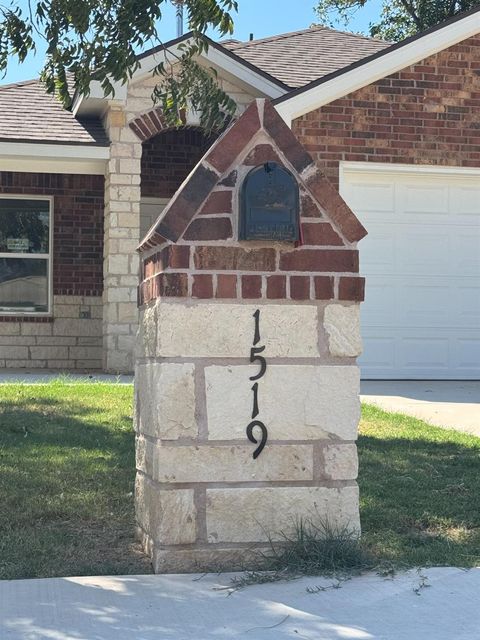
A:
(149, 124)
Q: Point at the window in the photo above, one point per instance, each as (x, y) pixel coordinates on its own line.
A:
(25, 255)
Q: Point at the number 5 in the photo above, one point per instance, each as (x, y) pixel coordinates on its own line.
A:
(254, 357)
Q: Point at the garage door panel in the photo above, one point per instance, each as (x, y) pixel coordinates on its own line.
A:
(378, 251)
(372, 197)
(382, 303)
(466, 252)
(467, 299)
(381, 352)
(417, 198)
(421, 250)
(466, 354)
(421, 259)
(421, 303)
(425, 304)
(421, 355)
(414, 353)
(466, 200)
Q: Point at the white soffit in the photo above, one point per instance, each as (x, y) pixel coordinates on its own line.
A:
(53, 158)
(385, 64)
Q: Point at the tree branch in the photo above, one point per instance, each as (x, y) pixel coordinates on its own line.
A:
(409, 8)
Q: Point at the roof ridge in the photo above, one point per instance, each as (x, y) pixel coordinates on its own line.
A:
(291, 34)
(358, 35)
(279, 36)
(19, 83)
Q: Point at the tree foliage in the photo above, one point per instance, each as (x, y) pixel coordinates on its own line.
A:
(399, 18)
(100, 39)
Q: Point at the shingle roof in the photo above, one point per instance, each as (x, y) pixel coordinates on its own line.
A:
(29, 113)
(300, 57)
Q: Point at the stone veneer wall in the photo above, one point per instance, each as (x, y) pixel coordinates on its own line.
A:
(129, 125)
(72, 337)
(202, 501)
(66, 341)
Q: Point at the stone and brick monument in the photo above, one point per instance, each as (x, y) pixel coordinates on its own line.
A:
(247, 389)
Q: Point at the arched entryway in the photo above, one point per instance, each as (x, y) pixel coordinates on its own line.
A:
(167, 159)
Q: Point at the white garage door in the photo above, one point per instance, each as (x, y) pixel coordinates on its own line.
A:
(421, 316)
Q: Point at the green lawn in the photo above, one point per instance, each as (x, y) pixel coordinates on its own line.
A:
(67, 474)
(419, 491)
(66, 481)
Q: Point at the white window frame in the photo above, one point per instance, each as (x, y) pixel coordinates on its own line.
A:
(45, 256)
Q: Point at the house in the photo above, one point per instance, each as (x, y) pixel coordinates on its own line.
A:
(395, 127)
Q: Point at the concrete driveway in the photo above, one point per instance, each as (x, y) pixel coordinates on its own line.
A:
(455, 405)
(443, 605)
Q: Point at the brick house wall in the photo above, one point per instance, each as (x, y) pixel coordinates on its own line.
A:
(168, 158)
(428, 113)
(71, 338)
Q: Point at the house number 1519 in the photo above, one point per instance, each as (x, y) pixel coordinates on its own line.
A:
(256, 358)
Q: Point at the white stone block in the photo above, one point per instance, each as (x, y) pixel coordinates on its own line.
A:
(118, 362)
(227, 463)
(227, 330)
(296, 402)
(49, 353)
(85, 353)
(14, 352)
(118, 264)
(147, 332)
(169, 517)
(341, 461)
(77, 327)
(166, 400)
(67, 310)
(342, 324)
(38, 329)
(255, 515)
(130, 166)
(128, 312)
(118, 294)
(130, 220)
(9, 328)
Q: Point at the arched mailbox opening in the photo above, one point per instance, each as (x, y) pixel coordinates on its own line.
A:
(269, 204)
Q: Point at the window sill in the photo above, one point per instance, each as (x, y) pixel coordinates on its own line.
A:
(12, 318)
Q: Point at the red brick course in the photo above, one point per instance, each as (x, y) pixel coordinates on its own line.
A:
(251, 286)
(299, 287)
(315, 260)
(276, 287)
(226, 286)
(209, 229)
(351, 288)
(202, 286)
(428, 113)
(78, 202)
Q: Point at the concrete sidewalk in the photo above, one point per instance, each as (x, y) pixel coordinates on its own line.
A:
(451, 404)
(185, 607)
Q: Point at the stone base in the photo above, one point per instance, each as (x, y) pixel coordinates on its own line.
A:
(211, 559)
(70, 341)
